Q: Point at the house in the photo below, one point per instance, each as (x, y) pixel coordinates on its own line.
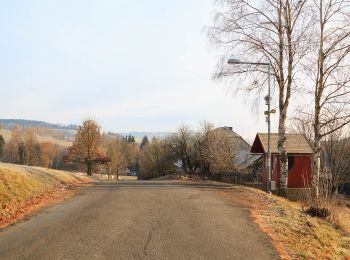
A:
(299, 154)
(251, 167)
(241, 145)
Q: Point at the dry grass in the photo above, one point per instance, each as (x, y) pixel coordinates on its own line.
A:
(128, 178)
(104, 177)
(6, 134)
(20, 185)
(295, 234)
(42, 139)
(341, 217)
(49, 139)
(178, 177)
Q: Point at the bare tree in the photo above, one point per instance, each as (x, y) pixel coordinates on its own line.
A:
(157, 159)
(48, 153)
(184, 145)
(32, 147)
(328, 69)
(2, 144)
(334, 165)
(85, 148)
(117, 152)
(272, 31)
(220, 151)
(11, 147)
(335, 157)
(203, 146)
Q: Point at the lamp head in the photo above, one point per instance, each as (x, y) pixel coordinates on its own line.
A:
(267, 99)
(234, 61)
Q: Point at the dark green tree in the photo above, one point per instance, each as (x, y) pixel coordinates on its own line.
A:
(2, 143)
(130, 139)
(21, 153)
(144, 142)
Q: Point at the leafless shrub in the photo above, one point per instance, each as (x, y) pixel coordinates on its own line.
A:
(320, 202)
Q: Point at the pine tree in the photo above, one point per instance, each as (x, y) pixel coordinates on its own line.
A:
(21, 154)
(144, 142)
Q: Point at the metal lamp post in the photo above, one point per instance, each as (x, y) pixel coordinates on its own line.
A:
(267, 113)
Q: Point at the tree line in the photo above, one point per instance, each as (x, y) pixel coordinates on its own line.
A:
(207, 151)
(24, 148)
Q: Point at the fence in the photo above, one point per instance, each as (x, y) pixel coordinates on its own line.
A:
(344, 188)
(233, 177)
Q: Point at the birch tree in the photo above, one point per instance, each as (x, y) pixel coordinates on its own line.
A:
(330, 76)
(272, 31)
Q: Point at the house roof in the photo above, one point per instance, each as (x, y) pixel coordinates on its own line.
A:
(249, 161)
(295, 144)
(241, 145)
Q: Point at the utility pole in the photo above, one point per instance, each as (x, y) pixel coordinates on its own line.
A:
(267, 113)
(268, 117)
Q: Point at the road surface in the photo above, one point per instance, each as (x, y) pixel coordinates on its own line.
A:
(139, 220)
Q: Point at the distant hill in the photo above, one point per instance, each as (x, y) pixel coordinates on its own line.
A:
(68, 131)
(46, 132)
(9, 123)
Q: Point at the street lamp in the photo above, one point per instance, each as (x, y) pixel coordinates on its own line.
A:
(233, 61)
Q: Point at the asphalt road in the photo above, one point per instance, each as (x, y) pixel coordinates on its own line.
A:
(139, 220)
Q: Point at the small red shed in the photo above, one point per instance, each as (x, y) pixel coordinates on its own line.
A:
(299, 154)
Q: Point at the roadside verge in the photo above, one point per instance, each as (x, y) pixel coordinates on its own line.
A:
(295, 234)
(25, 188)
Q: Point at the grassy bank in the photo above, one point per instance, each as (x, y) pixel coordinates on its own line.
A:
(294, 233)
(24, 185)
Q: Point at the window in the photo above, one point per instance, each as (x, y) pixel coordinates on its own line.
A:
(290, 162)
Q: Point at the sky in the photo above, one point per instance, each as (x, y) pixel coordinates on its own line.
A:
(131, 65)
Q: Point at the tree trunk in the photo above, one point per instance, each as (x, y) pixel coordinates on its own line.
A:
(318, 94)
(283, 105)
(282, 154)
(316, 162)
(316, 159)
(109, 170)
(89, 169)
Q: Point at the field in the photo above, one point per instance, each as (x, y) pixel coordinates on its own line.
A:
(23, 186)
(64, 143)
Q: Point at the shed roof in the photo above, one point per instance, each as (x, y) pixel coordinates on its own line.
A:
(295, 144)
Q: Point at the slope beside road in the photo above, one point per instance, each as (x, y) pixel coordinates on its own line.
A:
(26, 188)
(139, 220)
